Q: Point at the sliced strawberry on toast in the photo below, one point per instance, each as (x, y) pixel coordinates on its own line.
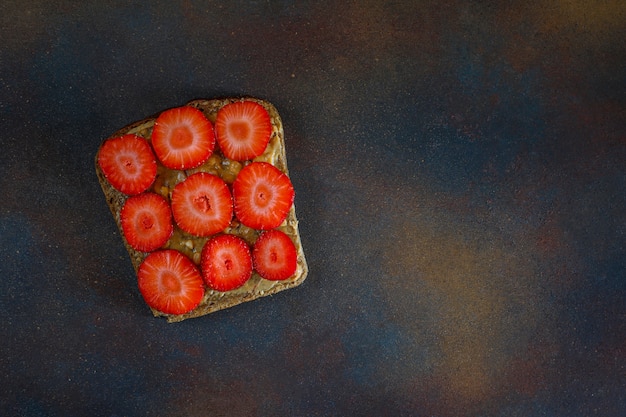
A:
(183, 138)
(146, 221)
(128, 163)
(226, 262)
(169, 282)
(243, 129)
(274, 256)
(202, 204)
(262, 196)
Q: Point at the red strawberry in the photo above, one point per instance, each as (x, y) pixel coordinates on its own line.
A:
(274, 255)
(263, 196)
(128, 164)
(243, 129)
(170, 282)
(202, 204)
(226, 262)
(146, 221)
(183, 137)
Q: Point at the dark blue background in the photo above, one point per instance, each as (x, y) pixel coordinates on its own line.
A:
(460, 184)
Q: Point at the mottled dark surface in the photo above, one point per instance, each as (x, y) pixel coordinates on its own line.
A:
(460, 178)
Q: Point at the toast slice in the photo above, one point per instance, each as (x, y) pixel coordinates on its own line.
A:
(191, 246)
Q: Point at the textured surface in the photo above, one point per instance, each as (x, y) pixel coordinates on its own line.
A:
(460, 184)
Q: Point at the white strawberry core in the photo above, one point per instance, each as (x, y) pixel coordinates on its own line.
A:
(128, 162)
(202, 203)
(181, 138)
(239, 130)
(170, 282)
(228, 264)
(263, 195)
(146, 221)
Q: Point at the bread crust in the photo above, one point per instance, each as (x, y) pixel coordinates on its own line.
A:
(256, 287)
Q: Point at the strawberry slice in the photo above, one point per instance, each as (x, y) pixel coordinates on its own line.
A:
(170, 282)
(202, 204)
(262, 195)
(274, 256)
(183, 138)
(243, 129)
(226, 262)
(128, 163)
(146, 221)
